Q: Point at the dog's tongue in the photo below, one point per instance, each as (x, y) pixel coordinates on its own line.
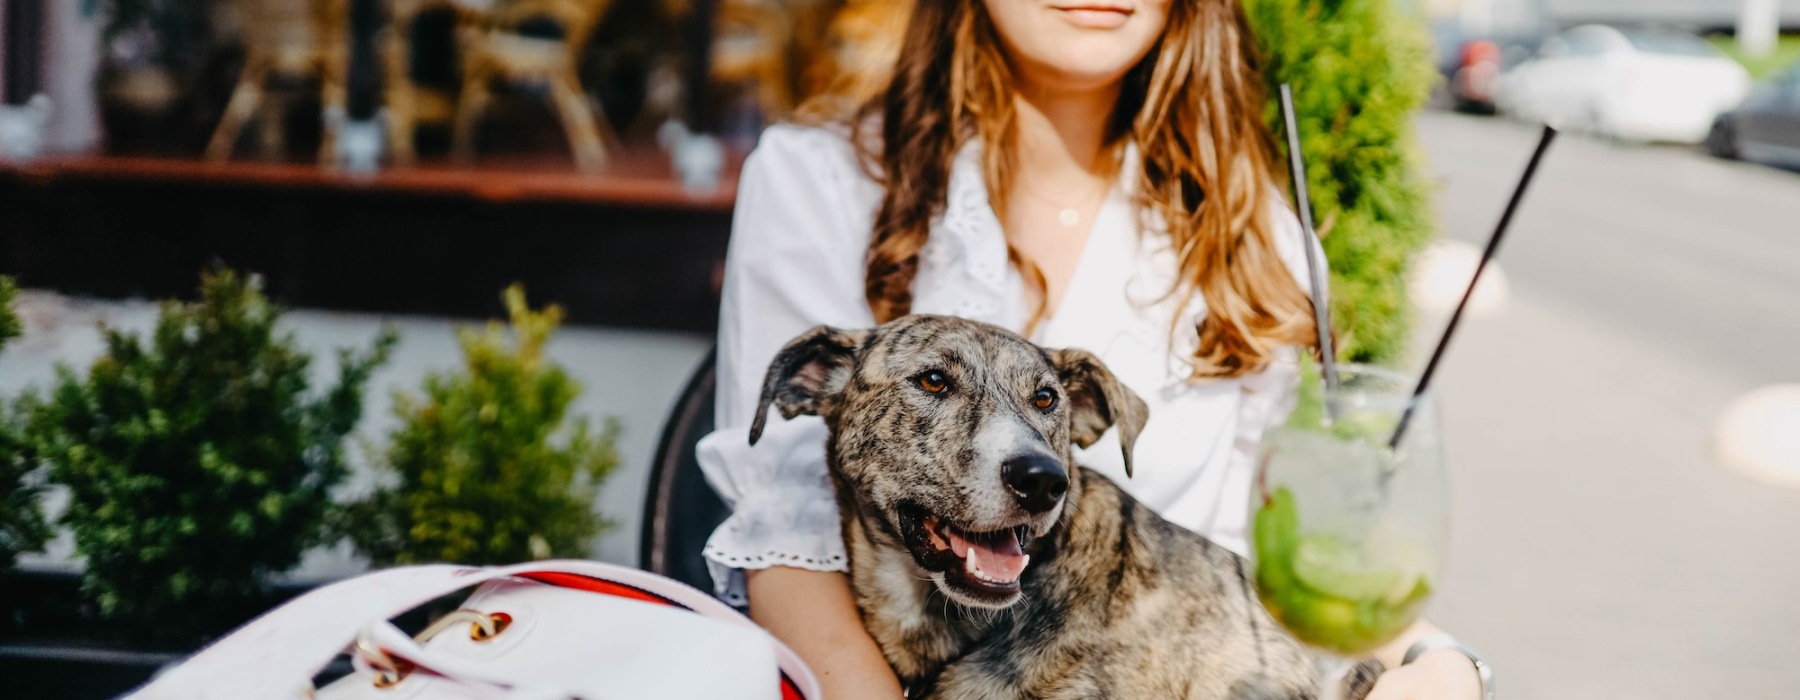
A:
(997, 558)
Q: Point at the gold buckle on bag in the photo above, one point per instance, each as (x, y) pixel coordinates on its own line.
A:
(483, 627)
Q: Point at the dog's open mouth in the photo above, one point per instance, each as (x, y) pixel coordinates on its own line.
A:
(982, 565)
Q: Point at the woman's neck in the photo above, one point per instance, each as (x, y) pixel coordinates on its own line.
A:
(1063, 129)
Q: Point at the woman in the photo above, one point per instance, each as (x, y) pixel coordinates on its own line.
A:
(1090, 173)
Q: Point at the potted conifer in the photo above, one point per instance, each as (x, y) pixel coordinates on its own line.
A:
(22, 525)
(486, 465)
(198, 465)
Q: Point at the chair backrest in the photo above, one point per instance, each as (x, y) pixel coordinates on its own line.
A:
(748, 34)
(421, 45)
(681, 510)
(295, 23)
(575, 19)
(853, 59)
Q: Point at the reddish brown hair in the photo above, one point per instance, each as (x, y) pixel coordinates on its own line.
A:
(1193, 107)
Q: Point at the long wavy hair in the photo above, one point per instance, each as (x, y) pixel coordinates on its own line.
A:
(1193, 107)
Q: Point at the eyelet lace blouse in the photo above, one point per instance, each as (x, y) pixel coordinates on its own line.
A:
(805, 210)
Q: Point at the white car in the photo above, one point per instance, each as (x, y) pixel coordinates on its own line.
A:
(1628, 85)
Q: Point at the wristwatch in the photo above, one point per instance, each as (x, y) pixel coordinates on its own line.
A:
(1434, 642)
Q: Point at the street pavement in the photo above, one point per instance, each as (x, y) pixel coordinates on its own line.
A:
(1599, 550)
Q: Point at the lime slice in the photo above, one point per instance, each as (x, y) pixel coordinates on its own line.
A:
(1326, 565)
(1277, 527)
(1328, 593)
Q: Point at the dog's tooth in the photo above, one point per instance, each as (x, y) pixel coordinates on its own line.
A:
(1024, 561)
(970, 564)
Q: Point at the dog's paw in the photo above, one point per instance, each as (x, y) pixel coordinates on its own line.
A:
(1360, 681)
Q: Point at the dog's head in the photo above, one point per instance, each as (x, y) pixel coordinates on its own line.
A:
(954, 436)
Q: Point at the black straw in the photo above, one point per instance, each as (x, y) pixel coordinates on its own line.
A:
(1320, 284)
(1512, 207)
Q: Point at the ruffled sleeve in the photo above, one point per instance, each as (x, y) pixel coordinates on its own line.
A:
(795, 261)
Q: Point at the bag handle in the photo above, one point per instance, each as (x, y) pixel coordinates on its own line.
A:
(383, 648)
(286, 647)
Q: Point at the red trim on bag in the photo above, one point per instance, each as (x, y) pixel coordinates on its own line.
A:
(595, 585)
(789, 689)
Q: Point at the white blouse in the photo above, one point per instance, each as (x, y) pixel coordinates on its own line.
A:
(805, 210)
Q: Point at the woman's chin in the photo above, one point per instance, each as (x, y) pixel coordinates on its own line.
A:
(1069, 76)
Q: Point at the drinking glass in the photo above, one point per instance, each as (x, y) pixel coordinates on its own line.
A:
(1349, 534)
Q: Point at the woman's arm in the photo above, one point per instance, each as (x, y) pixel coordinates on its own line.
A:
(798, 240)
(814, 614)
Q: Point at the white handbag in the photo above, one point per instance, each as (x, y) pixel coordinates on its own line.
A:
(536, 631)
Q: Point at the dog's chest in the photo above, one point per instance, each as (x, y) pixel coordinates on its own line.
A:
(914, 624)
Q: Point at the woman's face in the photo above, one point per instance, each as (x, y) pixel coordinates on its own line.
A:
(1077, 44)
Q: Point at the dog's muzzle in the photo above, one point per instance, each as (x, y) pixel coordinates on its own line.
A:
(984, 567)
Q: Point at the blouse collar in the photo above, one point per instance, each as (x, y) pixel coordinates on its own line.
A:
(965, 268)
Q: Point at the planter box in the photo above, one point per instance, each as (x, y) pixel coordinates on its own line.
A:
(53, 646)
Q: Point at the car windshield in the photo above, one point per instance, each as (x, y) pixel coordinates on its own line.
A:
(1671, 43)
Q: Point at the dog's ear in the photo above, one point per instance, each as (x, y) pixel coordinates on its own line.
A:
(809, 368)
(1098, 400)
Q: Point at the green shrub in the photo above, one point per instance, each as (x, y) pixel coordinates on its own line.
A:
(480, 474)
(1360, 69)
(196, 463)
(9, 322)
(22, 525)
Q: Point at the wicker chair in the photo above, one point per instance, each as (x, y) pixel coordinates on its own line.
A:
(753, 42)
(495, 49)
(409, 102)
(292, 40)
(860, 45)
(795, 50)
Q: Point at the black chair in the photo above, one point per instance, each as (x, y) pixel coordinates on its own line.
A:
(681, 509)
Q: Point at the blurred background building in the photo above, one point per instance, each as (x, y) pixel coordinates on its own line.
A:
(1482, 16)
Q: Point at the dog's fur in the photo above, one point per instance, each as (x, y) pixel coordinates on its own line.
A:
(1116, 602)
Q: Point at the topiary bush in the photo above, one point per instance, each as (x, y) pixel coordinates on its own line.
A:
(22, 525)
(196, 461)
(1360, 69)
(487, 467)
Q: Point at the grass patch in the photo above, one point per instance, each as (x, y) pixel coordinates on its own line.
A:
(1787, 51)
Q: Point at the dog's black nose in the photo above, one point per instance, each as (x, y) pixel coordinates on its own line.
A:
(1038, 481)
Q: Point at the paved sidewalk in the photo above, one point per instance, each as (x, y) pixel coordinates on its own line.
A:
(1599, 552)
(1596, 551)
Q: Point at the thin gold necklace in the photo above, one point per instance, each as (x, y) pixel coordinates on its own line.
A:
(1068, 216)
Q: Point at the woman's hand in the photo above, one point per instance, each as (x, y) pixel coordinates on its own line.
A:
(814, 613)
(1444, 674)
(1439, 675)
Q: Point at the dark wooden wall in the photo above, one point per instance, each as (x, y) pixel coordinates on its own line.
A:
(367, 249)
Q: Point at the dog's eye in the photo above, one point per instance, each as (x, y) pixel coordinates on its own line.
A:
(933, 381)
(1044, 399)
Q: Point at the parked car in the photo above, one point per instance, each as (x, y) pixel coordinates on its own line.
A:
(1766, 128)
(1471, 63)
(1629, 85)
(1472, 86)
(1477, 73)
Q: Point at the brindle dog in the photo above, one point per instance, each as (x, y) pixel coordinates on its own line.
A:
(984, 563)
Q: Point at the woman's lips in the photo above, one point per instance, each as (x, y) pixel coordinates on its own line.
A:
(1095, 16)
